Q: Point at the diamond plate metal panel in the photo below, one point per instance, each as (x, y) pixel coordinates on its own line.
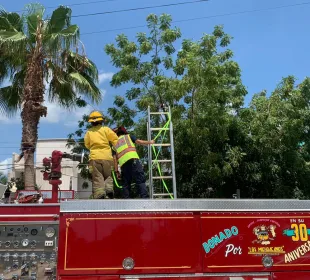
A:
(227, 205)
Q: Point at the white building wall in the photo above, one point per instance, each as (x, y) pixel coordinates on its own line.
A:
(45, 148)
(84, 193)
(71, 179)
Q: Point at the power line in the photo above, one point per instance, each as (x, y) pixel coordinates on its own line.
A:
(206, 17)
(84, 3)
(140, 8)
(75, 4)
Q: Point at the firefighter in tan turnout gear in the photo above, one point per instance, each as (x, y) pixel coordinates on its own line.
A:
(97, 140)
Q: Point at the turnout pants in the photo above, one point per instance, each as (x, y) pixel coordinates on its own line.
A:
(132, 169)
(102, 178)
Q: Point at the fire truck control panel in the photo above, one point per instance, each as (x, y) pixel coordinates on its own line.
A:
(28, 250)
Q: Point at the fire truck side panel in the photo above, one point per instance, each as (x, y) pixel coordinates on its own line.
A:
(166, 242)
(239, 241)
(305, 275)
(92, 277)
(28, 241)
(188, 277)
(34, 212)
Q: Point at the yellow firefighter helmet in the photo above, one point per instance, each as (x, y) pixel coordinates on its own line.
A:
(95, 117)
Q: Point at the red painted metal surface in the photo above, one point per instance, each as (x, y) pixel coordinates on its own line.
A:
(305, 275)
(33, 212)
(238, 241)
(92, 277)
(158, 243)
(209, 277)
(177, 278)
(93, 246)
(179, 243)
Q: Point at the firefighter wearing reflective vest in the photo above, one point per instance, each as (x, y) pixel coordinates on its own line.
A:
(128, 159)
(98, 139)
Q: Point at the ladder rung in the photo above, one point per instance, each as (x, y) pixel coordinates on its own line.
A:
(161, 194)
(159, 113)
(162, 160)
(162, 177)
(163, 144)
(158, 128)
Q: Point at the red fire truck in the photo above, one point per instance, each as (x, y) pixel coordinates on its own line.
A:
(157, 239)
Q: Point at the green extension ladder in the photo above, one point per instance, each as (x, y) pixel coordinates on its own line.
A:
(162, 181)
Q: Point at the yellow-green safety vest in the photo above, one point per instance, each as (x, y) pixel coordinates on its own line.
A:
(125, 149)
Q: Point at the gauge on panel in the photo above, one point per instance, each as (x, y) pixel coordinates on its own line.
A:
(34, 232)
(25, 242)
(33, 243)
(50, 232)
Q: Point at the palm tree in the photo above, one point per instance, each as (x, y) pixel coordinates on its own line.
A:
(35, 51)
(3, 179)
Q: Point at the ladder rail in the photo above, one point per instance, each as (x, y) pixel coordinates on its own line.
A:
(174, 187)
(151, 161)
(149, 136)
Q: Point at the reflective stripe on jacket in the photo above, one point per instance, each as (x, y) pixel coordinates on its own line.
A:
(125, 149)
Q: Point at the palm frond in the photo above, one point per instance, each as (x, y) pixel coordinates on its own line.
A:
(66, 84)
(84, 85)
(60, 89)
(60, 19)
(10, 99)
(10, 21)
(61, 92)
(12, 38)
(80, 63)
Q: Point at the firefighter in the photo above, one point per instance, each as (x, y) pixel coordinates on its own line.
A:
(98, 139)
(127, 158)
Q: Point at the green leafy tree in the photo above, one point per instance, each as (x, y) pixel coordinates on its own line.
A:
(220, 146)
(276, 133)
(203, 87)
(34, 51)
(145, 63)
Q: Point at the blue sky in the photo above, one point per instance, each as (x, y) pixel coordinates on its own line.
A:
(268, 45)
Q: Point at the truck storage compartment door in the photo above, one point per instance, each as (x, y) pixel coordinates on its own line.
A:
(251, 241)
(109, 243)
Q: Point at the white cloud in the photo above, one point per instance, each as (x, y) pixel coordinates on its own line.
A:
(57, 114)
(15, 119)
(103, 77)
(5, 166)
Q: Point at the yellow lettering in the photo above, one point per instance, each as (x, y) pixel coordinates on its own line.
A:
(287, 258)
(303, 232)
(295, 227)
(252, 249)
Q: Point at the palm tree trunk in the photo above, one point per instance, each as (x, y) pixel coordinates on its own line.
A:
(32, 111)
